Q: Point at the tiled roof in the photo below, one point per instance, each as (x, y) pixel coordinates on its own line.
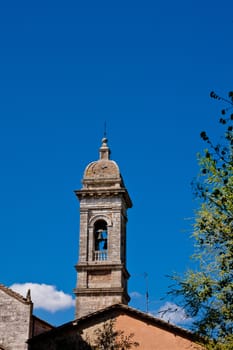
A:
(122, 309)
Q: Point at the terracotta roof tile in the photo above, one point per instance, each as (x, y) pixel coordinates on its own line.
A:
(120, 308)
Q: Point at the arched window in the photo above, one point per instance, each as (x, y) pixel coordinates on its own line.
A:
(100, 240)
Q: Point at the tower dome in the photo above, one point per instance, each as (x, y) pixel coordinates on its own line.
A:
(103, 172)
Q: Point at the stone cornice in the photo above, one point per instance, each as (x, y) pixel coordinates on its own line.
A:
(103, 193)
(101, 267)
(98, 291)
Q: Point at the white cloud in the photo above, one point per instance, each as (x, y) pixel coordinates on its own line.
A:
(135, 295)
(45, 296)
(173, 313)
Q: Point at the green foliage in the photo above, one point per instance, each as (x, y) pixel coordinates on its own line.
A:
(108, 338)
(208, 293)
(226, 344)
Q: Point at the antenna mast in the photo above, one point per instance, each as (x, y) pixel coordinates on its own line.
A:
(147, 292)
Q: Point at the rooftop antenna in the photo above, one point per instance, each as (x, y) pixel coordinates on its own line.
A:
(147, 292)
(145, 275)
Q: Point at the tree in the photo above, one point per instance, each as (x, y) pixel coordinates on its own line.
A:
(207, 293)
(108, 338)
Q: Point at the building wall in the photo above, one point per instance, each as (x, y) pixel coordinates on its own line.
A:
(102, 283)
(148, 336)
(70, 340)
(39, 326)
(92, 303)
(15, 317)
(77, 336)
(153, 338)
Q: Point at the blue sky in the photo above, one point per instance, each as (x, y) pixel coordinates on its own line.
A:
(66, 67)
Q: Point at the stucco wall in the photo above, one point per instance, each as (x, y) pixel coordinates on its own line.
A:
(149, 337)
(153, 338)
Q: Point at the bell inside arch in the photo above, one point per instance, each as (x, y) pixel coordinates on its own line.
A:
(100, 234)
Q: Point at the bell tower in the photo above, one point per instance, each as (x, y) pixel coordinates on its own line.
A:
(104, 200)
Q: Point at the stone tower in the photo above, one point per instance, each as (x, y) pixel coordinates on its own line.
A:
(104, 200)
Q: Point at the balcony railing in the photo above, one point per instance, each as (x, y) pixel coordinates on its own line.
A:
(100, 255)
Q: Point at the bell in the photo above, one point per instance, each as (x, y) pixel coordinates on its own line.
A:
(100, 235)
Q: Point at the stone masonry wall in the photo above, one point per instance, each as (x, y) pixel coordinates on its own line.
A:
(92, 303)
(101, 283)
(14, 322)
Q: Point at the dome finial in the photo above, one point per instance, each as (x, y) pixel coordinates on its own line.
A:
(104, 149)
